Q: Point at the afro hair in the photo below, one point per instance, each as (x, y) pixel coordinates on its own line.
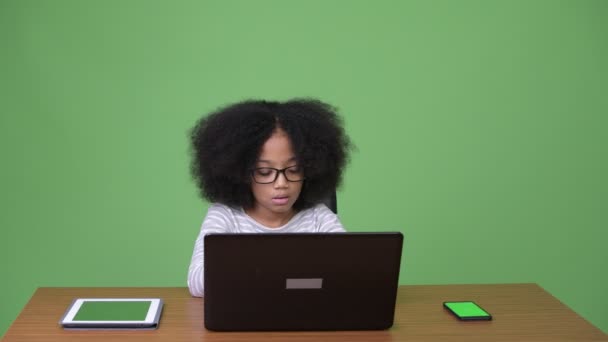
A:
(227, 143)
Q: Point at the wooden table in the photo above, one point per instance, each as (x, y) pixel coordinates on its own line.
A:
(522, 312)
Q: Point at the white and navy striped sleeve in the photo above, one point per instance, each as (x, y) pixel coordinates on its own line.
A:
(327, 220)
(216, 221)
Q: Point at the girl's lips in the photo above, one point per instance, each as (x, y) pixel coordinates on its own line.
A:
(280, 200)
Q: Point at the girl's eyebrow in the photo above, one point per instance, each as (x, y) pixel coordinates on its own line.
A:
(270, 162)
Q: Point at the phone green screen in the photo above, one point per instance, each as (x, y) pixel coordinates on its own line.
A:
(467, 310)
(113, 311)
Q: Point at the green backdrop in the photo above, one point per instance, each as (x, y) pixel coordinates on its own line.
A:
(480, 127)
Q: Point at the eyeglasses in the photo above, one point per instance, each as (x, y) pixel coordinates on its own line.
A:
(267, 175)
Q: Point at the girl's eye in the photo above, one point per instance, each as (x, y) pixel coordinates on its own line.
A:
(264, 172)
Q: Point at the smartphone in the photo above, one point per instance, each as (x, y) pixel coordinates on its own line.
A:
(467, 311)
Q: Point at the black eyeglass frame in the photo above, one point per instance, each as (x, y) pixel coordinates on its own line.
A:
(276, 174)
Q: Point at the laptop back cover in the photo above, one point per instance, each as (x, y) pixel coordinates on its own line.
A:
(303, 281)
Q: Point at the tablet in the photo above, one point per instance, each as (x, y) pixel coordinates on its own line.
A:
(113, 313)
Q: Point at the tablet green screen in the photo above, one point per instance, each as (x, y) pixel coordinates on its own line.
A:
(466, 309)
(113, 311)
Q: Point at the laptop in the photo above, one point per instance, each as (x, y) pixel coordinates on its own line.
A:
(301, 281)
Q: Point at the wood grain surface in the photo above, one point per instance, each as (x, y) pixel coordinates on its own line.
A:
(522, 312)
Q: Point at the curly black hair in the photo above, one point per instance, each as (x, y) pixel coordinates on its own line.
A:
(227, 143)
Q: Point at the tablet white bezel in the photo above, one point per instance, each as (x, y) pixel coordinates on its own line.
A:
(152, 310)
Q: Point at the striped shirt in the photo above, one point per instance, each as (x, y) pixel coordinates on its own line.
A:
(223, 219)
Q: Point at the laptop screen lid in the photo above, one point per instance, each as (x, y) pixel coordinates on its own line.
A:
(301, 281)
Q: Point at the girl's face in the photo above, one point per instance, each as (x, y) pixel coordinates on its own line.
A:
(274, 200)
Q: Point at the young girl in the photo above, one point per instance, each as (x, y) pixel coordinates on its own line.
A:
(265, 167)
